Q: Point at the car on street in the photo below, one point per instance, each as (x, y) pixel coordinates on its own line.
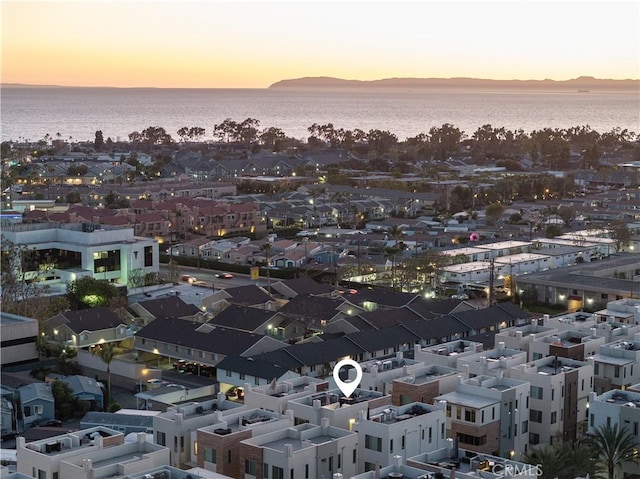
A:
(187, 278)
(224, 275)
(46, 422)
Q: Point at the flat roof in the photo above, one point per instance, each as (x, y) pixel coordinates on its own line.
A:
(467, 400)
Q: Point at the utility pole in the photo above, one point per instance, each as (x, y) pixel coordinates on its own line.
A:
(491, 280)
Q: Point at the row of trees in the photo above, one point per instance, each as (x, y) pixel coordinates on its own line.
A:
(549, 146)
(601, 455)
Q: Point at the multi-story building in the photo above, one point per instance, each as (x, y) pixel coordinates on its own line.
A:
(218, 444)
(399, 430)
(617, 365)
(617, 408)
(76, 250)
(424, 383)
(341, 411)
(174, 427)
(97, 452)
(566, 344)
(276, 397)
(489, 414)
(558, 397)
(447, 354)
(19, 335)
(492, 362)
(378, 374)
(521, 337)
(305, 451)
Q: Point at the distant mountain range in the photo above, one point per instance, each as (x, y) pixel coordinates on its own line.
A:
(583, 83)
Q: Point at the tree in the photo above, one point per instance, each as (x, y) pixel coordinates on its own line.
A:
(63, 399)
(614, 446)
(91, 292)
(619, 232)
(73, 197)
(551, 231)
(107, 353)
(548, 459)
(494, 212)
(98, 143)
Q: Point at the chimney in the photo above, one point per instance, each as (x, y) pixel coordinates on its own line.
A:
(289, 448)
(337, 475)
(593, 332)
(179, 417)
(220, 399)
(534, 321)
(88, 468)
(324, 425)
(361, 416)
(518, 334)
(98, 442)
(316, 404)
(141, 440)
(405, 370)
(545, 319)
(376, 474)
(289, 415)
(20, 442)
(399, 355)
(501, 346)
(442, 405)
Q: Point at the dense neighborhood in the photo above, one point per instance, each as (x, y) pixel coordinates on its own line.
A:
(176, 308)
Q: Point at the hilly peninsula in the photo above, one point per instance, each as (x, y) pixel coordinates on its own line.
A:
(583, 83)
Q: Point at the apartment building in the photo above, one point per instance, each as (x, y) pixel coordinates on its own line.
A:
(174, 427)
(566, 344)
(19, 335)
(342, 412)
(75, 250)
(446, 354)
(424, 383)
(521, 337)
(616, 365)
(304, 451)
(97, 452)
(558, 396)
(378, 374)
(492, 362)
(617, 407)
(453, 460)
(406, 431)
(489, 414)
(217, 446)
(626, 311)
(276, 397)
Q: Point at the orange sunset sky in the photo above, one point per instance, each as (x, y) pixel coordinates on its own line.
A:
(244, 44)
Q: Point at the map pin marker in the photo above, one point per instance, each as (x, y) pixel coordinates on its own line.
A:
(347, 388)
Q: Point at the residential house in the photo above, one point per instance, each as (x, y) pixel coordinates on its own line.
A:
(616, 365)
(251, 296)
(36, 401)
(276, 396)
(235, 372)
(83, 389)
(85, 327)
(169, 306)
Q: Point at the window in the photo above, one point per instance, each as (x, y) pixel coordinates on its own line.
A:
(616, 372)
(241, 375)
(448, 410)
(210, 455)
(229, 373)
(148, 255)
(256, 381)
(306, 471)
(355, 456)
(525, 427)
(458, 412)
(554, 417)
(536, 392)
(229, 456)
(369, 466)
(537, 356)
(535, 416)
(470, 415)
(277, 472)
(250, 467)
(472, 440)
(390, 445)
(534, 438)
(161, 438)
(42, 474)
(591, 420)
(430, 434)
(372, 442)
(482, 416)
(403, 442)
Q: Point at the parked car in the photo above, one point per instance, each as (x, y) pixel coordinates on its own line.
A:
(46, 422)
(224, 275)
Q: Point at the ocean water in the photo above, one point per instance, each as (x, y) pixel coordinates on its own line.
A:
(32, 112)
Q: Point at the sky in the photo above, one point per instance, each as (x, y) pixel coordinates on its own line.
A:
(252, 44)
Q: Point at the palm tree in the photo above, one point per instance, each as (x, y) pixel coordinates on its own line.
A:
(397, 233)
(106, 352)
(613, 447)
(549, 460)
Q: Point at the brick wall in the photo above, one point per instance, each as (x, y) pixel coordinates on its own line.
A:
(253, 453)
(491, 430)
(222, 446)
(415, 392)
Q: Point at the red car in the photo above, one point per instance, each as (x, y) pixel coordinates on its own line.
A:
(224, 275)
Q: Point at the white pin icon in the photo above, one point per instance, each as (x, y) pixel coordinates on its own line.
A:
(347, 388)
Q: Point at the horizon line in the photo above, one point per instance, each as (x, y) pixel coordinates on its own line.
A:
(46, 85)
